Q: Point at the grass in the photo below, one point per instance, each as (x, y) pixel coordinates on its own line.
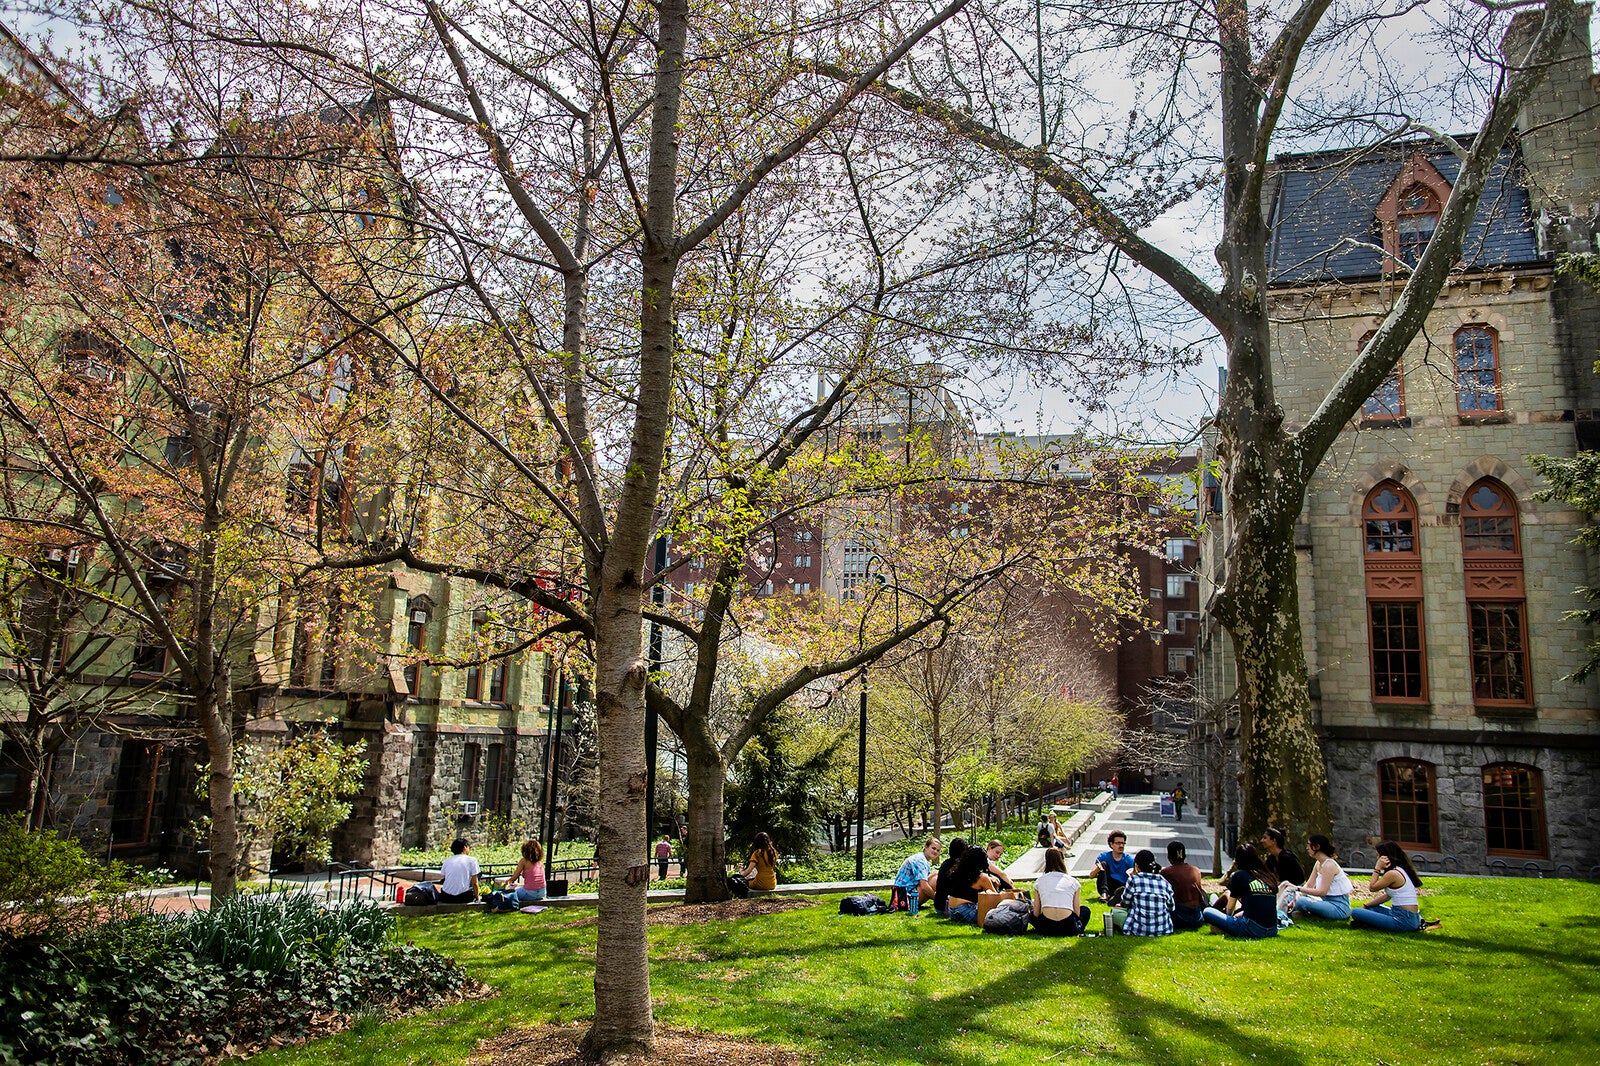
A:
(1509, 979)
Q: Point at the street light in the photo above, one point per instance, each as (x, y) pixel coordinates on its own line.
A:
(861, 748)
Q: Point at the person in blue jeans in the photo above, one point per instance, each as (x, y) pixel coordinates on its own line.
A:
(1253, 895)
(1112, 867)
(1326, 893)
(969, 880)
(1394, 908)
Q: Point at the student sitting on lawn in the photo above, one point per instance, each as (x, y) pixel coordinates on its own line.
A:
(1148, 899)
(914, 875)
(762, 870)
(460, 874)
(971, 877)
(1188, 894)
(1326, 893)
(1253, 890)
(995, 852)
(526, 884)
(1112, 867)
(946, 876)
(1395, 880)
(1058, 908)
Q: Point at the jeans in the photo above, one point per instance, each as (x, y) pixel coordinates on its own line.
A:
(1336, 908)
(966, 912)
(1387, 918)
(1187, 917)
(1069, 926)
(1240, 926)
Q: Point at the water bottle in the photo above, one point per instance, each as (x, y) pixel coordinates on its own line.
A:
(913, 898)
(1109, 925)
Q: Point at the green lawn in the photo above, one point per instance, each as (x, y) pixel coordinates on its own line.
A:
(1511, 978)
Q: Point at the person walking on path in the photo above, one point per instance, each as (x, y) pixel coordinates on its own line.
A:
(663, 856)
(1179, 797)
(1116, 785)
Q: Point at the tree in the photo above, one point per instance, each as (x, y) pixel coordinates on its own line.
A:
(1576, 481)
(1266, 463)
(775, 792)
(297, 794)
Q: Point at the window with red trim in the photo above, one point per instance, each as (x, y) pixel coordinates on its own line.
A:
(1491, 551)
(1394, 595)
(1406, 803)
(1416, 217)
(1513, 810)
(1477, 370)
(1388, 400)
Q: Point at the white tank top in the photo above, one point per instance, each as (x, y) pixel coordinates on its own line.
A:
(1340, 886)
(1406, 894)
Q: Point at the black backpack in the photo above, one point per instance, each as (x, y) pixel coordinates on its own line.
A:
(863, 905)
(1009, 916)
(739, 886)
(422, 894)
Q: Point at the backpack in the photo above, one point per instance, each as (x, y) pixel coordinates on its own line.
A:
(422, 894)
(1009, 916)
(860, 905)
(739, 886)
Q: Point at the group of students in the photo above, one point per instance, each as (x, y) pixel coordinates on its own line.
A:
(460, 878)
(1262, 883)
(953, 890)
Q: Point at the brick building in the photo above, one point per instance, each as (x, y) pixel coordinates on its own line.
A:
(1432, 582)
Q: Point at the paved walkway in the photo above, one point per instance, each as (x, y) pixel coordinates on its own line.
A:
(1140, 817)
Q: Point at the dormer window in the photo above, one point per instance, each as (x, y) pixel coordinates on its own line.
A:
(1415, 222)
(1409, 212)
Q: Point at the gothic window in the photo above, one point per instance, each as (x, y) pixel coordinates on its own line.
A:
(1406, 803)
(1477, 370)
(1491, 552)
(1388, 400)
(1513, 810)
(1394, 595)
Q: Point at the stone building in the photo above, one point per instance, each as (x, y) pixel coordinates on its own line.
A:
(449, 748)
(1433, 583)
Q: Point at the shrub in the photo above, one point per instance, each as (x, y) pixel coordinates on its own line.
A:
(49, 887)
(272, 933)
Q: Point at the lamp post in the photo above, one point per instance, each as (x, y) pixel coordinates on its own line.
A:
(861, 777)
(658, 599)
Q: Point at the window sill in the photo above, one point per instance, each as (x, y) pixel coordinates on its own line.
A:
(1506, 710)
(1487, 418)
(1397, 422)
(1403, 706)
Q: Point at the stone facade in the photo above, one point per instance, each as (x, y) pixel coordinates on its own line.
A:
(1546, 330)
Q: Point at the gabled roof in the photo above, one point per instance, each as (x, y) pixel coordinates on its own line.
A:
(1325, 200)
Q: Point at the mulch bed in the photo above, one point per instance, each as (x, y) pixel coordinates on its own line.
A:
(557, 1045)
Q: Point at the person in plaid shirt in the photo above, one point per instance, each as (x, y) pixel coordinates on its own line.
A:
(1148, 899)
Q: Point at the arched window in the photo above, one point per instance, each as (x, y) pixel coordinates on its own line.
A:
(1513, 810)
(1394, 595)
(1477, 370)
(1388, 400)
(1407, 806)
(1491, 553)
(1416, 217)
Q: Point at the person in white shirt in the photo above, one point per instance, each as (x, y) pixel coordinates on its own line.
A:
(1058, 908)
(1326, 892)
(460, 875)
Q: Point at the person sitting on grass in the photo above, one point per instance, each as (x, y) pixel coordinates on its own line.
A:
(1394, 909)
(946, 876)
(970, 878)
(460, 872)
(526, 884)
(995, 852)
(1148, 899)
(1112, 867)
(1253, 890)
(1188, 894)
(1058, 908)
(914, 875)
(762, 870)
(1279, 860)
(1326, 893)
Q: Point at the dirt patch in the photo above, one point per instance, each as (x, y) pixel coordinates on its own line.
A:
(557, 1045)
(726, 911)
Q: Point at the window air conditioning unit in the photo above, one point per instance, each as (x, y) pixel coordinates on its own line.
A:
(469, 808)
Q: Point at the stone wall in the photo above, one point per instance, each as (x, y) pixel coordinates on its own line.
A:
(1572, 819)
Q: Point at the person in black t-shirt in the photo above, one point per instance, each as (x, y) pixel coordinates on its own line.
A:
(946, 877)
(969, 878)
(1283, 863)
(1253, 890)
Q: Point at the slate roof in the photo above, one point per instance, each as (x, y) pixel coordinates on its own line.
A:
(1325, 198)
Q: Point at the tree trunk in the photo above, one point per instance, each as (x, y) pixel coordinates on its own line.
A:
(707, 858)
(215, 714)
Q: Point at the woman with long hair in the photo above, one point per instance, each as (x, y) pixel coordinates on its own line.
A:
(1058, 908)
(1253, 894)
(1394, 909)
(526, 884)
(762, 870)
(1326, 893)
